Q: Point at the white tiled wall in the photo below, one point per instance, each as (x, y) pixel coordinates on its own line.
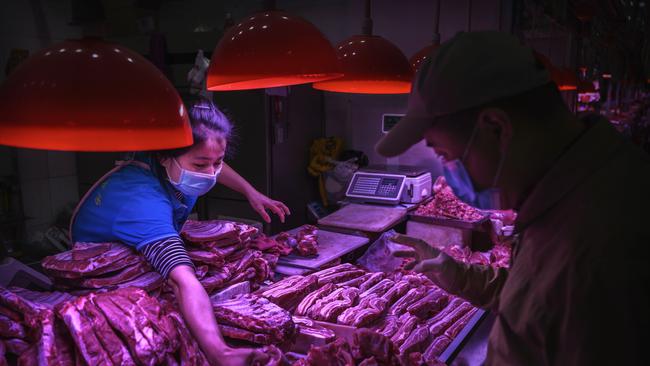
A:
(48, 181)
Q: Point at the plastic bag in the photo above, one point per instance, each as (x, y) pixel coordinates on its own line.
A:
(379, 256)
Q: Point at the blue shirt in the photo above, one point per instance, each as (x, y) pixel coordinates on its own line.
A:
(134, 205)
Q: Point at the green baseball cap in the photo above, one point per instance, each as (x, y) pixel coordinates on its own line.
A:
(467, 71)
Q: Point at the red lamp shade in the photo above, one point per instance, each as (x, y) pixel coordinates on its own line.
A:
(372, 65)
(91, 95)
(271, 49)
(418, 57)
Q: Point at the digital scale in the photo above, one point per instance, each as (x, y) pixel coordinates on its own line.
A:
(390, 185)
(379, 197)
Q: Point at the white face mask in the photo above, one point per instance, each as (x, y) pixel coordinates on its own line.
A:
(194, 183)
(460, 182)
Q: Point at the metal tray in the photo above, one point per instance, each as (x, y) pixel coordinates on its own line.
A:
(461, 339)
(478, 225)
(448, 355)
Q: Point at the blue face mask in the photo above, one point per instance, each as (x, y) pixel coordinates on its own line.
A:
(194, 183)
(460, 182)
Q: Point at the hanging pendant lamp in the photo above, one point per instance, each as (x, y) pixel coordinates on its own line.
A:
(370, 64)
(91, 95)
(421, 55)
(270, 49)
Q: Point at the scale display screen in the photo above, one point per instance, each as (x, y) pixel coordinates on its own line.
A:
(376, 187)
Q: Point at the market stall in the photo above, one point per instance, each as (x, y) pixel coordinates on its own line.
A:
(291, 294)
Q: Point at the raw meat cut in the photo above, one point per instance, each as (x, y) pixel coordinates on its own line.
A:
(63, 265)
(267, 244)
(446, 204)
(209, 231)
(128, 274)
(372, 280)
(429, 305)
(368, 310)
(479, 258)
(30, 311)
(82, 332)
(450, 314)
(256, 314)
(15, 346)
(436, 347)
(308, 327)
(10, 328)
(408, 324)
(83, 251)
(289, 297)
(190, 353)
(336, 269)
(284, 283)
(355, 282)
(416, 341)
(397, 291)
(245, 335)
(149, 282)
(206, 257)
(29, 357)
(379, 289)
(15, 316)
(366, 348)
(216, 279)
(137, 318)
(303, 243)
(89, 329)
(390, 326)
(453, 331)
(368, 344)
(3, 351)
(201, 271)
(340, 277)
(309, 300)
(53, 344)
(336, 353)
(307, 241)
(403, 303)
(314, 311)
(331, 310)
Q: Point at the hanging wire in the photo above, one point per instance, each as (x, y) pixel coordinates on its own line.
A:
(469, 15)
(367, 21)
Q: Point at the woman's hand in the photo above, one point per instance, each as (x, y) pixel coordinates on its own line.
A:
(241, 357)
(261, 204)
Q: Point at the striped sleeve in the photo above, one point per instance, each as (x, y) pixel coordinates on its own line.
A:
(165, 254)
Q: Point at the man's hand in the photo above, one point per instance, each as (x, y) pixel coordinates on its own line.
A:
(417, 248)
(261, 203)
(432, 262)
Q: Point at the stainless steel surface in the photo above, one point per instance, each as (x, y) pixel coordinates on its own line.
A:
(365, 217)
(473, 351)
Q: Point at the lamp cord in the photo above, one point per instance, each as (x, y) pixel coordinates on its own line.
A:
(367, 21)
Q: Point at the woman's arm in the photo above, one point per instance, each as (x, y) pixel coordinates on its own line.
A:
(260, 203)
(196, 309)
